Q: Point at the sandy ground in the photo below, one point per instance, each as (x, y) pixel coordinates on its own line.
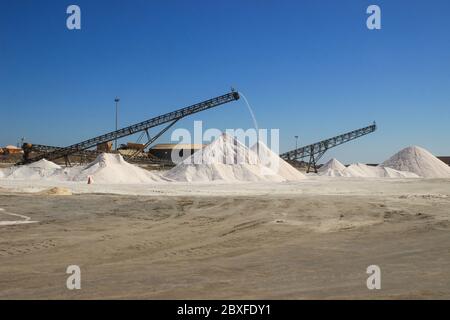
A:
(312, 239)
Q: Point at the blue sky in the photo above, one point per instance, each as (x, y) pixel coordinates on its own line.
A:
(309, 68)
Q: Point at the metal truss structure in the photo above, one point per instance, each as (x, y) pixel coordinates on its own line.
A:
(171, 117)
(89, 155)
(316, 150)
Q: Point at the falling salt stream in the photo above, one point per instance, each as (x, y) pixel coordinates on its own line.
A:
(255, 123)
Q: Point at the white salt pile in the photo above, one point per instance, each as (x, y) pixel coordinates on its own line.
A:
(419, 161)
(392, 173)
(105, 169)
(220, 172)
(272, 161)
(364, 171)
(333, 164)
(226, 159)
(33, 171)
(333, 168)
(225, 150)
(112, 168)
(44, 164)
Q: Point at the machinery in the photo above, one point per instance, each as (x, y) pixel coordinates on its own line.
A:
(316, 150)
(28, 148)
(171, 118)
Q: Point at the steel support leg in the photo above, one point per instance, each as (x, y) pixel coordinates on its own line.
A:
(149, 142)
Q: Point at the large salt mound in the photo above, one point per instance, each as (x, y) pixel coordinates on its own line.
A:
(273, 162)
(225, 159)
(112, 168)
(220, 172)
(419, 161)
(34, 171)
(225, 150)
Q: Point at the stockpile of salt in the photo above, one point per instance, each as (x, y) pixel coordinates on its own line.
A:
(419, 161)
(392, 173)
(225, 159)
(273, 162)
(364, 171)
(110, 168)
(333, 168)
(34, 171)
(226, 150)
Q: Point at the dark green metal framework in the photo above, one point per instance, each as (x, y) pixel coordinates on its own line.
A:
(316, 150)
(171, 117)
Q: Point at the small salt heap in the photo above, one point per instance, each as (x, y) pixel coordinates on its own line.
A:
(333, 168)
(364, 171)
(112, 168)
(34, 171)
(419, 161)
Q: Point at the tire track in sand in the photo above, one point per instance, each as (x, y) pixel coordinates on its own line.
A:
(15, 222)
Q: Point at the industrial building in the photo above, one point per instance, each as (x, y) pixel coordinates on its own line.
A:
(164, 150)
(10, 150)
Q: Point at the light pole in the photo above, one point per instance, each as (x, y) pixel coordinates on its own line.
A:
(116, 100)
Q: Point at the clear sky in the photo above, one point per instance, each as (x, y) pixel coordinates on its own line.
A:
(309, 68)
